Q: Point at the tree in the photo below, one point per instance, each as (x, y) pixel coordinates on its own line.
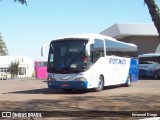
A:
(21, 1)
(154, 12)
(13, 68)
(3, 48)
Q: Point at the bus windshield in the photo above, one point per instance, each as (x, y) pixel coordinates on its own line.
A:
(67, 56)
(151, 59)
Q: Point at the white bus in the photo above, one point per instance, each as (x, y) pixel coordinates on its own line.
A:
(149, 65)
(87, 61)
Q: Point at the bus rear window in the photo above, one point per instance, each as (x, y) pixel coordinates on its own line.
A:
(42, 64)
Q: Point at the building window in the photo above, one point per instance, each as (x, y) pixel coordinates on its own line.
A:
(2, 70)
(22, 71)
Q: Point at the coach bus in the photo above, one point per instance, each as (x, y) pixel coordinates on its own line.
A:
(87, 61)
(41, 69)
(149, 65)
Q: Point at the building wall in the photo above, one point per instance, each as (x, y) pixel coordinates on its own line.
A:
(26, 65)
(146, 44)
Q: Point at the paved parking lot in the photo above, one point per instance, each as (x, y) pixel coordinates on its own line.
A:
(33, 95)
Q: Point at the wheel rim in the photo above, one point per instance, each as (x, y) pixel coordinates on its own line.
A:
(100, 84)
(129, 80)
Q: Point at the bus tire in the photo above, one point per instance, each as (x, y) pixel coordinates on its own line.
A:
(128, 83)
(100, 85)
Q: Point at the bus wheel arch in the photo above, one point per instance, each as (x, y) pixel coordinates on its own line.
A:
(100, 84)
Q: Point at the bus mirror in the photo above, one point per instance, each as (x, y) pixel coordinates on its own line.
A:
(87, 53)
(87, 50)
(42, 51)
(43, 48)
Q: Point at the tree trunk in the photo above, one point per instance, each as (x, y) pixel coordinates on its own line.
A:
(155, 13)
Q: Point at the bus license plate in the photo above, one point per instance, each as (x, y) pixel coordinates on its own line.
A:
(65, 85)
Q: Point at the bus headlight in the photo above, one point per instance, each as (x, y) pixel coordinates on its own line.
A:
(51, 79)
(82, 79)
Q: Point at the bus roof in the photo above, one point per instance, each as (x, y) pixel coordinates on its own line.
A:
(150, 55)
(92, 36)
(87, 36)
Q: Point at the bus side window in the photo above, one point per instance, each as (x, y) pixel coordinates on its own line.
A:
(91, 53)
(98, 49)
(94, 54)
(97, 55)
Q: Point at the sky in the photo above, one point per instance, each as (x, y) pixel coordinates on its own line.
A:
(26, 28)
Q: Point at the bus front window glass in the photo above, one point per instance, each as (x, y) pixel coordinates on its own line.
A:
(68, 55)
(50, 60)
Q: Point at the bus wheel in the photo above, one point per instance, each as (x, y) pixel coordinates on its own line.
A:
(128, 81)
(100, 85)
(67, 90)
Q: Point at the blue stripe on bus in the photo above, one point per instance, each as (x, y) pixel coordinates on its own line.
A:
(133, 71)
(68, 84)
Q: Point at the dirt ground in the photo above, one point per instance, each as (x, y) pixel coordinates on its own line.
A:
(115, 102)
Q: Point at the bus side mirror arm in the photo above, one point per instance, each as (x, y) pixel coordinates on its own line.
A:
(43, 48)
(87, 50)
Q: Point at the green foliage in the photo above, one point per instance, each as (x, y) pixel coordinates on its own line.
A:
(21, 1)
(13, 68)
(3, 48)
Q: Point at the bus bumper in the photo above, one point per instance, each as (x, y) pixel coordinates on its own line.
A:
(68, 84)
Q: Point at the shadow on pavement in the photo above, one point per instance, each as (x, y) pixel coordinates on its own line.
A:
(117, 104)
(58, 91)
(49, 91)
